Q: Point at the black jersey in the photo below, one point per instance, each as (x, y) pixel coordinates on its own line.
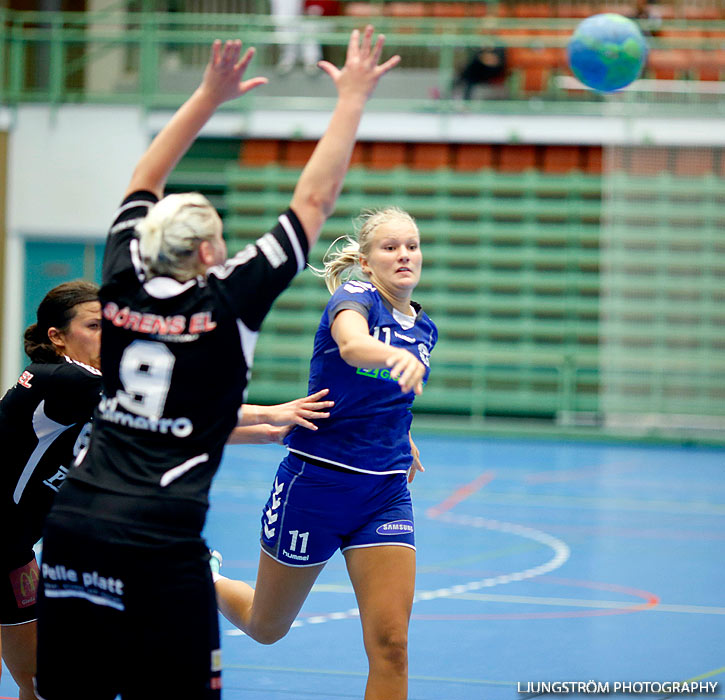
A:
(176, 358)
(43, 423)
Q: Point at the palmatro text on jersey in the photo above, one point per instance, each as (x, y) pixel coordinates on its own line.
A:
(178, 427)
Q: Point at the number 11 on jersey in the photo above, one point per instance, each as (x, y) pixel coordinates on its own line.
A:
(386, 334)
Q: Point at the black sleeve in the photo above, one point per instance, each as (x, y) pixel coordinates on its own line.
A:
(251, 280)
(121, 245)
(71, 394)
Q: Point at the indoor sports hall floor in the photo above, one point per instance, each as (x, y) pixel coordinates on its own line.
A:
(537, 561)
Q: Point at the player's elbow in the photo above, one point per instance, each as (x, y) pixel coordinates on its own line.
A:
(317, 203)
(347, 353)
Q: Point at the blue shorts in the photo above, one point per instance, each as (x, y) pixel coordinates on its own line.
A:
(313, 511)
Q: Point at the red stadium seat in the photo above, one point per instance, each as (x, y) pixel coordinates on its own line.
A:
(536, 66)
(693, 161)
(473, 156)
(648, 161)
(298, 152)
(260, 152)
(516, 159)
(533, 9)
(561, 159)
(429, 156)
(405, 9)
(322, 8)
(386, 155)
(363, 9)
(359, 154)
(709, 65)
(670, 64)
(448, 9)
(575, 9)
(593, 156)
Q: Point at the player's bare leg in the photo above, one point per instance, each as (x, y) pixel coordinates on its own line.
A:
(266, 612)
(384, 582)
(18, 653)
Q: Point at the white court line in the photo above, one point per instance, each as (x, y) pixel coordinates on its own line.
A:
(561, 554)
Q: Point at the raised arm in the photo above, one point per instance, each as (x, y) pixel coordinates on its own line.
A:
(359, 349)
(321, 180)
(222, 82)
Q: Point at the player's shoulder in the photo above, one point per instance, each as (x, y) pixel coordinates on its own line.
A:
(358, 287)
(426, 322)
(65, 376)
(132, 209)
(422, 315)
(355, 288)
(72, 371)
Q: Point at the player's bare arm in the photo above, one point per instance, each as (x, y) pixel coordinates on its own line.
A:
(321, 180)
(359, 349)
(222, 81)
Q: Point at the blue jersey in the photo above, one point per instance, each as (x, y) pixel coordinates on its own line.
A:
(367, 430)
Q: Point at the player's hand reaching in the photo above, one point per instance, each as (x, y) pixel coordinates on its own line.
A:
(361, 72)
(300, 411)
(416, 466)
(407, 369)
(223, 75)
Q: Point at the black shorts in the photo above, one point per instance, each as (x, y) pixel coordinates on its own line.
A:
(117, 619)
(18, 588)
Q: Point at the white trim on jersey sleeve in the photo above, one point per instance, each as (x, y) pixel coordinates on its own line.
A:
(225, 269)
(47, 431)
(175, 472)
(272, 250)
(248, 338)
(294, 241)
(134, 203)
(166, 287)
(135, 253)
(126, 223)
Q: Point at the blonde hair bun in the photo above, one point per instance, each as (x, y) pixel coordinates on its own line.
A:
(171, 233)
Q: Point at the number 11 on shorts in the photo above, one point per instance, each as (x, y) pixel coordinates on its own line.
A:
(302, 536)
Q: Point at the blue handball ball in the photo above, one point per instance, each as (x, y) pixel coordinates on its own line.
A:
(607, 52)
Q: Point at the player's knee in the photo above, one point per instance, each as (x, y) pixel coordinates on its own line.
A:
(392, 649)
(26, 689)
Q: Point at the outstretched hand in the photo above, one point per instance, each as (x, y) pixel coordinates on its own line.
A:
(407, 370)
(361, 71)
(301, 411)
(416, 466)
(222, 79)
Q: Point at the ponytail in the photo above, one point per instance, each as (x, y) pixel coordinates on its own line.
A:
(341, 264)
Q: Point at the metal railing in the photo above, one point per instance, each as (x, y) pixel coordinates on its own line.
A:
(155, 59)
